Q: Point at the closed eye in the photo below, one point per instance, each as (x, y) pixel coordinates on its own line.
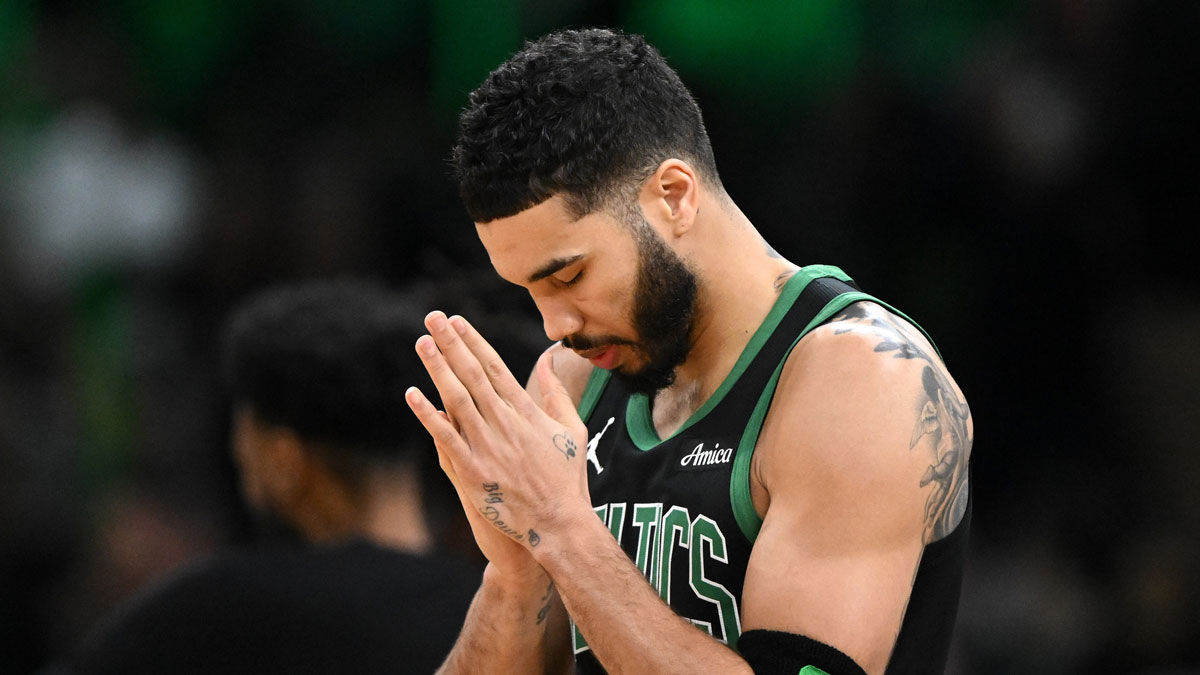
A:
(567, 283)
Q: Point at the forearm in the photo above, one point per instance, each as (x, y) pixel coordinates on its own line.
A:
(512, 626)
(626, 624)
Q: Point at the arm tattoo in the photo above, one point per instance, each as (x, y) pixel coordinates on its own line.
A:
(565, 444)
(782, 279)
(545, 610)
(943, 416)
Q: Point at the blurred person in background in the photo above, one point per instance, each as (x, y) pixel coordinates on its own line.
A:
(782, 457)
(330, 461)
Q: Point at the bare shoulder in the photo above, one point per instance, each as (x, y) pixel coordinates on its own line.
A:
(867, 417)
(862, 460)
(572, 369)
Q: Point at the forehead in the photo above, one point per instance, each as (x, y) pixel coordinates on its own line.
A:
(521, 244)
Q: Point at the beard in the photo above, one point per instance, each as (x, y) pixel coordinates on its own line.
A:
(664, 312)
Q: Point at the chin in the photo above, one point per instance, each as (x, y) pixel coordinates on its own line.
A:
(648, 381)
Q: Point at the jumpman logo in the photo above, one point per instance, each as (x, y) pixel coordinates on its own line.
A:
(591, 455)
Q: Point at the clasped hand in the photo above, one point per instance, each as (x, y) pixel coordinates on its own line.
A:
(517, 464)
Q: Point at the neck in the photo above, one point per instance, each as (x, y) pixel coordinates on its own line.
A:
(740, 278)
(393, 516)
(386, 510)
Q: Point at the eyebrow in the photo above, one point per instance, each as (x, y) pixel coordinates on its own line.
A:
(552, 267)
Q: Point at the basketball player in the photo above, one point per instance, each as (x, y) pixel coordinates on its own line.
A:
(727, 463)
(316, 372)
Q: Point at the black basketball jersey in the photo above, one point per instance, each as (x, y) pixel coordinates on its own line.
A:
(680, 507)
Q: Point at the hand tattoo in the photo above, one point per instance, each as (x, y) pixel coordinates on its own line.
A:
(492, 514)
(534, 538)
(565, 444)
(494, 495)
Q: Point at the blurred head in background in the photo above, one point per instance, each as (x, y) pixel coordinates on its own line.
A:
(317, 373)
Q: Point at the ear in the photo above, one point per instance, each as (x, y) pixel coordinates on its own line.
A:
(671, 197)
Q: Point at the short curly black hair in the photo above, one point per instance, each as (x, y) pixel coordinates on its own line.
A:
(587, 114)
(329, 360)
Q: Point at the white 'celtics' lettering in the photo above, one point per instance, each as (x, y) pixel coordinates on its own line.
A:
(701, 457)
(661, 531)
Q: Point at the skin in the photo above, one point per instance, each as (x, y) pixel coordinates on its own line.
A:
(283, 474)
(851, 472)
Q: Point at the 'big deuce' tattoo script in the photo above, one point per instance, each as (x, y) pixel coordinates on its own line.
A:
(490, 512)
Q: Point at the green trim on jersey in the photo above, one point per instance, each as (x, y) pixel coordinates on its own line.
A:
(592, 392)
(638, 418)
(811, 670)
(640, 425)
(739, 481)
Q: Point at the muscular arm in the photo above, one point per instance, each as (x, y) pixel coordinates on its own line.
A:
(625, 622)
(516, 623)
(867, 466)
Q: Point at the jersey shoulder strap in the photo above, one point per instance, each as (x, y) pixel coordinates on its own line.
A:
(824, 296)
(816, 286)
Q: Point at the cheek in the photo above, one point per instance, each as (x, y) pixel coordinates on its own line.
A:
(251, 486)
(617, 300)
(607, 312)
(249, 473)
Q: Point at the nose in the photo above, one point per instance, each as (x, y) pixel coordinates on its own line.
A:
(559, 318)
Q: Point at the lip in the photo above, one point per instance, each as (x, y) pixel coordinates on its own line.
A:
(604, 358)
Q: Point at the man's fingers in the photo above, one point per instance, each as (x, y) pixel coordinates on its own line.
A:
(450, 419)
(444, 460)
(555, 400)
(446, 436)
(493, 366)
(455, 397)
(464, 365)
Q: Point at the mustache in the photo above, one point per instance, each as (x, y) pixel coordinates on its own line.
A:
(582, 343)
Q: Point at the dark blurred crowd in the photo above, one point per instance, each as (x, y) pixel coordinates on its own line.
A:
(1019, 176)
